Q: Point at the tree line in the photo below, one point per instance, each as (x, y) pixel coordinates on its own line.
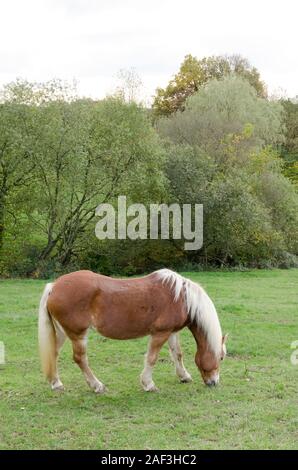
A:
(212, 137)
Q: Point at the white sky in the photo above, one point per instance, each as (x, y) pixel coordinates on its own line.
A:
(91, 40)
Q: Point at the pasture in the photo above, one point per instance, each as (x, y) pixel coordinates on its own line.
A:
(254, 407)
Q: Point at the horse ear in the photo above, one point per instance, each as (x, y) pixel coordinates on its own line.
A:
(225, 338)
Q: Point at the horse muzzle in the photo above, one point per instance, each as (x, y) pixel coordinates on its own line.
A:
(212, 381)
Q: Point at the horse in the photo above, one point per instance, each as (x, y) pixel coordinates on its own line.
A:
(158, 305)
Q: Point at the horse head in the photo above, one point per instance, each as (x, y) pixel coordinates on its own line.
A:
(208, 358)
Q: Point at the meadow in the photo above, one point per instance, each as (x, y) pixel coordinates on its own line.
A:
(254, 407)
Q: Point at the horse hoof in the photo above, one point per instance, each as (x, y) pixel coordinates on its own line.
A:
(186, 379)
(58, 388)
(152, 388)
(100, 390)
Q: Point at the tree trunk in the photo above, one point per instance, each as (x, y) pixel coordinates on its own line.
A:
(46, 252)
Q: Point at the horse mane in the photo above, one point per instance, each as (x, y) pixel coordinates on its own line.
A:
(200, 307)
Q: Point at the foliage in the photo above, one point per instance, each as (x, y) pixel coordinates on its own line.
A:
(226, 114)
(61, 156)
(220, 154)
(290, 148)
(16, 157)
(194, 73)
(83, 153)
(102, 151)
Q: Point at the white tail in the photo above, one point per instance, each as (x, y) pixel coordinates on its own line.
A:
(46, 336)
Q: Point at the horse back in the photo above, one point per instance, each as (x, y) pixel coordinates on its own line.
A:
(117, 308)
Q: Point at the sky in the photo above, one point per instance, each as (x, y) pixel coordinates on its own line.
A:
(91, 40)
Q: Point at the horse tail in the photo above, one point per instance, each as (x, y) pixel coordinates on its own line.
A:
(46, 335)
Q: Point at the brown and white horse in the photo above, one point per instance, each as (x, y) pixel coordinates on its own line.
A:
(158, 305)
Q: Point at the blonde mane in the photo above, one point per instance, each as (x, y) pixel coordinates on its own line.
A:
(199, 306)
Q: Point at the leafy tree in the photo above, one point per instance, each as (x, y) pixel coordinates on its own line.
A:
(194, 73)
(220, 154)
(63, 156)
(23, 92)
(16, 157)
(250, 211)
(88, 155)
(278, 194)
(290, 147)
(226, 115)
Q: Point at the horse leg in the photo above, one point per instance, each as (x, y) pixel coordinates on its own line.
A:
(79, 347)
(176, 353)
(56, 383)
(155, 344)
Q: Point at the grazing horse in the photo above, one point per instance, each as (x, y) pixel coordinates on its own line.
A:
(159, 305)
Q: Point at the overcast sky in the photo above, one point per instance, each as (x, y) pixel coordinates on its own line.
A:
(91, 40)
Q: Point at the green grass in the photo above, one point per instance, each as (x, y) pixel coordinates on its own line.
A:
(254, 407)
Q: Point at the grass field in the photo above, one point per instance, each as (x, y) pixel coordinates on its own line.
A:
(254, 407)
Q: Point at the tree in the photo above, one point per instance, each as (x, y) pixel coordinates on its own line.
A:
(221, 154)
(17, 160)
(250, 211)
(226, 115)
(129, 85)
(82, 153)
(88, 153)
(23, 92)
(290, 146)
(194, 73)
